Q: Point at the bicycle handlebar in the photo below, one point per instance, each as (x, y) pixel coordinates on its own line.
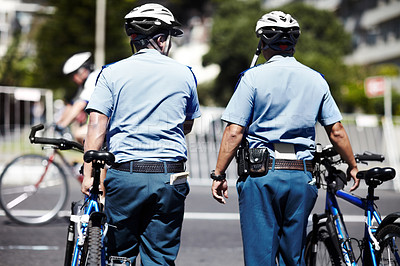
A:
(367, 156)
(62, 144)
(336, 178)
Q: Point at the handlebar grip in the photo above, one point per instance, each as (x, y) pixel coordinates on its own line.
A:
(366, 156)
(34, 129)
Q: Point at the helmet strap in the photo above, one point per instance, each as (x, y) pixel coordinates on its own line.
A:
(155, 45)
(256, 54)
(166, 48)
(168, 43)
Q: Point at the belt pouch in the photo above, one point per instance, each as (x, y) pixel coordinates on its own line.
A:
(242, 159)
(258, 161)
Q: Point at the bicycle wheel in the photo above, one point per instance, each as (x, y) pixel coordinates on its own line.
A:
(91, 252)
(389, 241)
(326, 253)
(32, 189)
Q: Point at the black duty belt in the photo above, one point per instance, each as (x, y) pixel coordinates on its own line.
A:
(282, 164)
(150, 167)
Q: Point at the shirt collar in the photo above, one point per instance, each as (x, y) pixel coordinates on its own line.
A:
(279, 57)
(148, 51)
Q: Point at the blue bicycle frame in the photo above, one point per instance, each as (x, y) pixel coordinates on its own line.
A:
(92, 227)
(91, 206)
(344, 240)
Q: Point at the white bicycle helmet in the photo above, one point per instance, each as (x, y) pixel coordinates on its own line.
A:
(150, 19)
(76, 61)
(278, 30)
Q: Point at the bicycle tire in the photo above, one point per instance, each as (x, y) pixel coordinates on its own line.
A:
(25, 203)
(389, 242)
(91, 251)
(326, 252)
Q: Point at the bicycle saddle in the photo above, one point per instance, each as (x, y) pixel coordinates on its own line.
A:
(93, 155)
(376, 176)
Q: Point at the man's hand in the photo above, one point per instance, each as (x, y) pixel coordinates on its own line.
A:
(233, 135)
(87, 184)
(219, 190)
(352, 173)
(340, 141)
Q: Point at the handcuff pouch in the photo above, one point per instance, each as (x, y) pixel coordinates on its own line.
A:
(258, 161)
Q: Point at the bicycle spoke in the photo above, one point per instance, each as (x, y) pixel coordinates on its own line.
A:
(17, 200)
(389, 237)
(29, 191)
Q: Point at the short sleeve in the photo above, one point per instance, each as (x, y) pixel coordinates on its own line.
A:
(193, 106)
(329, 111)
(240, 107)
(102, 97)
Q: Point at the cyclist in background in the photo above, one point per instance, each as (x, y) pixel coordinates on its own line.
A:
(144, 105)
(80, 69)
(275, 108)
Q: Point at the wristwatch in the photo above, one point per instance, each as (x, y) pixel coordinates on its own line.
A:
(220, 177)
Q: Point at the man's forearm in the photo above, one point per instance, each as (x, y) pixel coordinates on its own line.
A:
(231, 139)
(340, 141)
(97, 128)
(96, 133)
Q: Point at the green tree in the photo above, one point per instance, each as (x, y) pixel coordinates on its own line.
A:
(232, 45)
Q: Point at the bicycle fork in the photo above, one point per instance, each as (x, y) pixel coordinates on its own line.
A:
(70, 238)
(338, 232)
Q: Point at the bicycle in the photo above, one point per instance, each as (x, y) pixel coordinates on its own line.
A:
(34, 188)
(329, 243)
(90, 221)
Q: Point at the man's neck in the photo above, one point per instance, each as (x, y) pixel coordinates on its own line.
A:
(269, 53)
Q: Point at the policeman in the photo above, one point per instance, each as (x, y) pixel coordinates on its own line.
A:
(80, 69)
(275, 107)
(144, 105)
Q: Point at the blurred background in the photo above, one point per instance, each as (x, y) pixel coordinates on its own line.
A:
(354, 43)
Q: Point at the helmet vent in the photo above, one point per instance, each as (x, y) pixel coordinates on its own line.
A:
(150, 19)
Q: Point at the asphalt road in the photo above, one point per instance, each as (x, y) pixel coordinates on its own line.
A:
(210, 236)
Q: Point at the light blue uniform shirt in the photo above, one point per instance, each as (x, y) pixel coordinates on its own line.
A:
(280, 101)
(147, 97)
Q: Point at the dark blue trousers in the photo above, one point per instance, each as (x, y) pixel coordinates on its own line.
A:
(274, 211)
(145, 214)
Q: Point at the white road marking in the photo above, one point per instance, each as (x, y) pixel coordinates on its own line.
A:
(22, 247)
(210, 216)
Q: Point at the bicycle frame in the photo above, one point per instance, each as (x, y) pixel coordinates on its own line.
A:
(93, 218)
(331, 234)
(82, 222)
(370, 213)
